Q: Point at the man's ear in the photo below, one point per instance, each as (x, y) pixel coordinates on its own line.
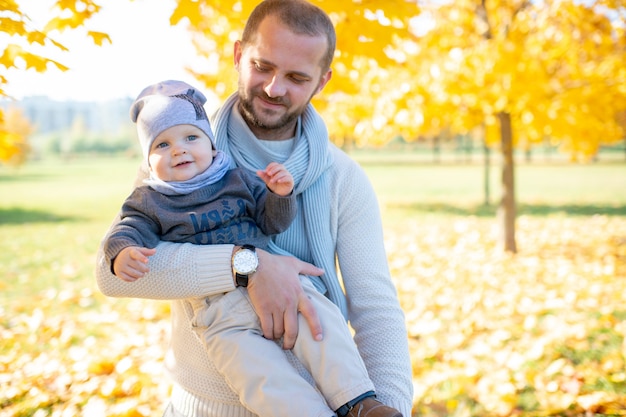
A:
(324, 80)
(237, 52)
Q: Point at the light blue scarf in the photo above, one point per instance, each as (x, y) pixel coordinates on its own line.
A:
(308, 163)
(211, 175)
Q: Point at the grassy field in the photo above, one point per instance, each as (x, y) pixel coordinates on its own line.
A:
(542, 188)
(538, 334)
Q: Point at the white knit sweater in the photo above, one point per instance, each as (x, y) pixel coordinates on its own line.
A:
(181, 271)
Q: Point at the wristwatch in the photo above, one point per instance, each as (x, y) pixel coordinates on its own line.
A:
(245, 262)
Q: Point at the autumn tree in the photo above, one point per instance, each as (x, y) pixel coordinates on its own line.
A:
(528, 71)
(16, 129)
(21, 52)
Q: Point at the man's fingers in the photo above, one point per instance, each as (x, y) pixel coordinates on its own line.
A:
(307, 309)
(306, 268)
(277, 297)
(267, 326)
(291, 329)
(279, 326)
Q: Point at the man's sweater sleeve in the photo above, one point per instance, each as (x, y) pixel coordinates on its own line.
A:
(373, 306)
(177, 270)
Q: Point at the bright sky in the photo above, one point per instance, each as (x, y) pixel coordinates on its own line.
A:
(145, 49)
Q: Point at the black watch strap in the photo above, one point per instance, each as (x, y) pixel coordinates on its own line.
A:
(242, 280)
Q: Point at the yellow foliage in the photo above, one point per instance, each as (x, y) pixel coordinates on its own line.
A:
(99, 37)
(364, 30)
(79, 12)
(14, 131)
(13, 52)
(69, 14)
(556, 68)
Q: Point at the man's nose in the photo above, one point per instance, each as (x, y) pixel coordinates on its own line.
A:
(276, 87)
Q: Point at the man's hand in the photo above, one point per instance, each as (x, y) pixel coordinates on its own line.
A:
(278, 297)
(132, 263)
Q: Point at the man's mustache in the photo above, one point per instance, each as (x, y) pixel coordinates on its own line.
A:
(273, 100)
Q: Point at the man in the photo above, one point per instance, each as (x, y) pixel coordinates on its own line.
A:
(283, 60)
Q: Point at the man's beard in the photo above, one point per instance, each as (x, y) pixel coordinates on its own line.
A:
(249, 114)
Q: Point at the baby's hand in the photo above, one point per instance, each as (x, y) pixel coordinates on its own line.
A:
(132, 263)
(277, 179)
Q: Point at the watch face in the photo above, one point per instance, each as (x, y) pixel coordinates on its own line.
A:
(245, 262)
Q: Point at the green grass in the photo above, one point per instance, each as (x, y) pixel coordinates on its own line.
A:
(52, 217)
(54, 212)
(92, 189)
(65, 191)
(407, 189)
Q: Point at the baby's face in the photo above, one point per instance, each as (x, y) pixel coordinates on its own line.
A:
(180, 153)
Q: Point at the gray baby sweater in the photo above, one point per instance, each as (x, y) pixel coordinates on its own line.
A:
(237, 209)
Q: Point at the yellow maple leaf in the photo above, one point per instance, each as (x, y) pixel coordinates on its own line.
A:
(189, 9)
(99, 37)
(10, 53)
(12, 27)
(36, 37)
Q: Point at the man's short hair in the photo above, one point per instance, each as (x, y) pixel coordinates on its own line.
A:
(301, 17)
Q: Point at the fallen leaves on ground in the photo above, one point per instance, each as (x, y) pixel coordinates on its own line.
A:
(104, 361)
(540, 333)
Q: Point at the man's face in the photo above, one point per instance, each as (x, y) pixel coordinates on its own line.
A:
(279, 73)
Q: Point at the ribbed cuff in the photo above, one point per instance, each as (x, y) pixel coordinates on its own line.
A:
(215, 274)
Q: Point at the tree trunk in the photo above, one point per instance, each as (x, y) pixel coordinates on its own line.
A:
(506, 210)
(487, 163)
(436, 149)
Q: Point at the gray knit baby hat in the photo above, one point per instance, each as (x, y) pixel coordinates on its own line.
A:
(166, 104)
